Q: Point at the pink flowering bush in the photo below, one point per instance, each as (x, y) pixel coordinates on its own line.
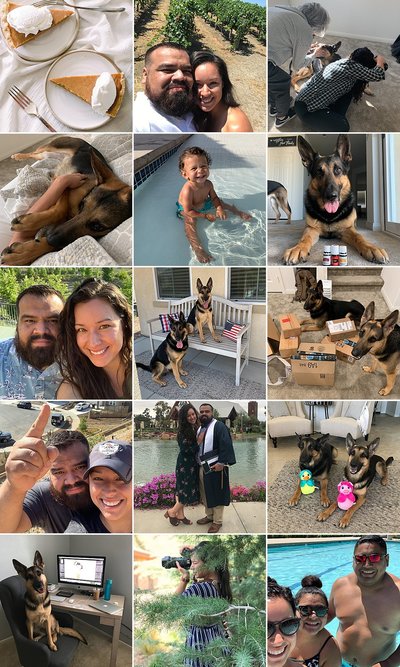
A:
(160, 493)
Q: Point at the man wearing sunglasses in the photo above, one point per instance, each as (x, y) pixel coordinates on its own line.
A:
(367, 605)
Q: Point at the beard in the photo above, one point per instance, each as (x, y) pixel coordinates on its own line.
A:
(175, 104)
(205, 420)
(76, 502)
(38, 357)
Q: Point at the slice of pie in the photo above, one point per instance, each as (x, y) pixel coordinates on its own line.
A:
(82, 86)
(16, 39)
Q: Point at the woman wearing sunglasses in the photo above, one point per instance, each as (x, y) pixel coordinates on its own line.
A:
(282, 626)
(315, 646)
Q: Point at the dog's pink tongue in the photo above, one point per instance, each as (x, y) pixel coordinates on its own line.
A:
(179, 344)
(331, 206)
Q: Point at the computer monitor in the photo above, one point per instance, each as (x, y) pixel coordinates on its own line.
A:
(81, 571)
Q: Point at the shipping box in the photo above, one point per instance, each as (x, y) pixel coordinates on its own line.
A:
(290, 325)
(315, 364)
(339, 329)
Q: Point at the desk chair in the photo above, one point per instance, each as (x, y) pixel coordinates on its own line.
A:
(31, 653)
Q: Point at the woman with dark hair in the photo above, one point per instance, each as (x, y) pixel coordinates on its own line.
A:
(315, 646)
(217, 109)
(211, 579)
(323, 101)
(283, 625)
(95, 343)
(187, 467)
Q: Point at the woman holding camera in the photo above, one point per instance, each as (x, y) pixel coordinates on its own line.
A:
(187, 468)
(211, 579)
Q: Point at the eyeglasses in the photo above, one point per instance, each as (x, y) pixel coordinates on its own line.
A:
(288, 626)
(307, 610)
(373, 558)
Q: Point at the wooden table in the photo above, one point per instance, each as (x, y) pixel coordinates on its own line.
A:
(81, 605)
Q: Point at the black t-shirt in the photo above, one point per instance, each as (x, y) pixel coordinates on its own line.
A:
(44, 510)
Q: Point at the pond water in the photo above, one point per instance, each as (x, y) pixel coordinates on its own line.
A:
(156, 457)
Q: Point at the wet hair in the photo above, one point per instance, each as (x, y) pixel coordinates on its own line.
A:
(316, 16)
(311, 584)
(167, 45)
(372, 539)
(199, 57)
(275, 590)
(214, 555)
(186, 430)
(363, 56)
(190, 152)
(64, 439)
(40, 291)
(76, 368)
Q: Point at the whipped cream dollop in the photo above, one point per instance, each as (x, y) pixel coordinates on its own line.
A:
(30, 20)
(104, 93)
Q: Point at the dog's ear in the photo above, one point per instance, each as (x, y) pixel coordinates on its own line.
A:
(323, 439)
(100, 169)
(199, 284)
(390, 322)
(300, 440)
(320, 286)
(343, 148)
(307, 153)
(350, 442)
(38, 560)
(21, 569)
(182, 317)
(337, 46)
(209, 284)
(368, 314)
(372, 446)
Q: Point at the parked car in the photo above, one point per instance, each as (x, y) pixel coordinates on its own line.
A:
(24, 404)
(61, 421)
(82, 407)
(5, 439)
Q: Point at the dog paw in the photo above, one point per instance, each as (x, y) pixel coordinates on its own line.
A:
(184, 373)
(375, 254)
(295, 255)
(367, 369)
(182, 385)
(384, 391)
(202, 340)
(322, 516)
(53, 647)
(217, 339)
(343, 523)
(325, 502)
(293, 502)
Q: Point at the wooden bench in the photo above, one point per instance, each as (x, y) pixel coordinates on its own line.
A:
(223, 310)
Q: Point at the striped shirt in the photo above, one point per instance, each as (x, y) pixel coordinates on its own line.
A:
(334, 81)
(199, 636)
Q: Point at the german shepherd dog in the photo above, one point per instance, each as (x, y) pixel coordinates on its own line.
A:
(201, 312)
(39, 619)
(381, 338)
(322, 309)
(317, 455)
(94, 208)
(317, 58)
(278, 197)
(362, 464)
(329, 204)
(169, 355)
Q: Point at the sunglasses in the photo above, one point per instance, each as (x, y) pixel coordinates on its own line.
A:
(287, 627)
(307, 610)
(373, 558)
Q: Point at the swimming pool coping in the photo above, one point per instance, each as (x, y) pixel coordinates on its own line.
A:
(281, 541)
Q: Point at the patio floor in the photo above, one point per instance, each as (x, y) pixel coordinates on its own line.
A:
(210, 377)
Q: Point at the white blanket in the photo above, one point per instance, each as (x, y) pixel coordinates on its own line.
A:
(110, 34)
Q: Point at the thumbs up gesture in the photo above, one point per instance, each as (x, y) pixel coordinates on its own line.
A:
(30, 459)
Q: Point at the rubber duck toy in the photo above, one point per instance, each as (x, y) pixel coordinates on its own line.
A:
(306, 482)
(346, 497)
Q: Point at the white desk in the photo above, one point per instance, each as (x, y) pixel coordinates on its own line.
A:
(81, 605)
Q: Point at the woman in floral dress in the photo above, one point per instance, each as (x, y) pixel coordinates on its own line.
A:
(187, 468)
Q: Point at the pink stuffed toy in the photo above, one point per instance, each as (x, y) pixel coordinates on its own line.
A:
(346, 497)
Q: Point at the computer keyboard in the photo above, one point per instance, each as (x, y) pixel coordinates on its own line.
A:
(57, 598)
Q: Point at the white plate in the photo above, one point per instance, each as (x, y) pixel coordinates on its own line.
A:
(68, 108)
(50, 44)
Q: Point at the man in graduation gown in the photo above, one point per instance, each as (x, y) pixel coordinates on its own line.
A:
(216, 454)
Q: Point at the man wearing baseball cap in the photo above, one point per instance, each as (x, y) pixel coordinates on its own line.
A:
(110, 484)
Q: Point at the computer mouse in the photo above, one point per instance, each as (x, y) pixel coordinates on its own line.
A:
(71, 600)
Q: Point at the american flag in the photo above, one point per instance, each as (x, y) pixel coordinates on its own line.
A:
(231, 330)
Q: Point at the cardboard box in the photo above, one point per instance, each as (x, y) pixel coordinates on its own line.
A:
(344, 348)
(290, 325)
(339, 329)
(273, 337)
(288, 346)
(311, 368)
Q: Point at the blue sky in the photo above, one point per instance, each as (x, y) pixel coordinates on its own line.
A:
(257, 2)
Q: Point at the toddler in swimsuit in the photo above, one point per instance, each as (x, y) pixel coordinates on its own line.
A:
(198, 198)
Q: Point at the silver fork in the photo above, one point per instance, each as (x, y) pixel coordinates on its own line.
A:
(43, 3)
(27, 105)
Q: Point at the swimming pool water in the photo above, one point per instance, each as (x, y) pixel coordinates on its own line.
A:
(288, 564)
(238, 175)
